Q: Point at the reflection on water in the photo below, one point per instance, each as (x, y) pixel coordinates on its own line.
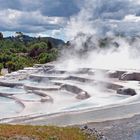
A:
(62, 89)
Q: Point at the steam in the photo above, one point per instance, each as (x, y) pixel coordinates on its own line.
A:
(87, 53)
(84, 50)
(82, 22)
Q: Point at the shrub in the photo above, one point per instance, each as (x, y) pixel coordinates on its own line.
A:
(37, 49)
(11, 66)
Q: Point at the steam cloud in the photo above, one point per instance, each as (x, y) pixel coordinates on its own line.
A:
(87, 32)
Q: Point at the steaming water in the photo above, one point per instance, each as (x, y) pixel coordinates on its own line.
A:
(41, 91)
(99, 99)
(61, 100)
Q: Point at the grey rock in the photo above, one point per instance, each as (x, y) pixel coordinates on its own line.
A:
(82, 95)
(130, 76)
(92, 132)
(127, 91)
(115, 74)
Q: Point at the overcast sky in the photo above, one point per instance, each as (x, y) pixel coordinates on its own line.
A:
(50, 17)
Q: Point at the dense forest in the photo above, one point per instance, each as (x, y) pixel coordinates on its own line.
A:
(24, 51)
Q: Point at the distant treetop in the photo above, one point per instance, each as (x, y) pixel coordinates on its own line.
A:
(1, 35)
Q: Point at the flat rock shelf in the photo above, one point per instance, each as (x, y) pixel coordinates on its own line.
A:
(46, 94)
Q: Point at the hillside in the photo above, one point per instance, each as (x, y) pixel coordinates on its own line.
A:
(24, 51)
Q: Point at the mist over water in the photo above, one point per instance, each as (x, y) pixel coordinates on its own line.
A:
(91, 46)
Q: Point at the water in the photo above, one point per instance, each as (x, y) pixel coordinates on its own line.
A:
(45, 96)
(8, 90)
(9, 107)
(28, 97)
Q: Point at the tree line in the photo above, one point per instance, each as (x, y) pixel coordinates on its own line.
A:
(24, 51)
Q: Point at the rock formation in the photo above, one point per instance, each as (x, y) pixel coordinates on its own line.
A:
(126, 91)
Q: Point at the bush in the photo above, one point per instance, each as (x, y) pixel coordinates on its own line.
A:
(1, 66)
(45, 57)
(37, 49)
(11, 66)
(16, 54)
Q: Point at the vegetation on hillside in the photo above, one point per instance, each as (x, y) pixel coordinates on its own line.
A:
(27, 132)
(24, 51)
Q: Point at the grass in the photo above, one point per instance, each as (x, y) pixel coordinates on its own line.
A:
(28, 132)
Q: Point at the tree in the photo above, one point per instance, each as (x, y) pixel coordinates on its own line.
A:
(37, 49)
(1, 35)
(49, 45)
(1, 66)
(46, 57)
(11, 66)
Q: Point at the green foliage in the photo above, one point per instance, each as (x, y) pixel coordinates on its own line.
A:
(11, 66)
(1, 66)
(12, 46)
(47, 57)
(19, 52)
(38, 48)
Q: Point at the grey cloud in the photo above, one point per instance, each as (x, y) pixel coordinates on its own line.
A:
(48, 14)
(10, 4)
(40, 15)
(13, 20)
(61, 8)
(108, 15)
(112, 9)
(21, 5)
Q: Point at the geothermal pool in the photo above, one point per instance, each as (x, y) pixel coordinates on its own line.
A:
(45, 94)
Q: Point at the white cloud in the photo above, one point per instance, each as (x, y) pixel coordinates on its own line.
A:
(56, 33)
(132, 18)
(102, 17)
(95, 16)
(32, 21)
